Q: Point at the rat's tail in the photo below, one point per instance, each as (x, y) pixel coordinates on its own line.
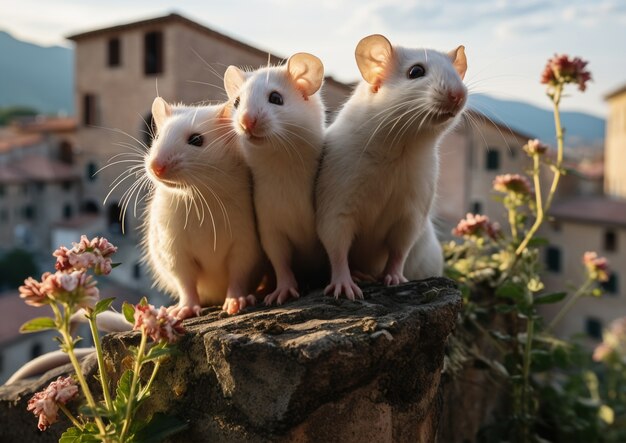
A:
(46, 362)
(107, 321)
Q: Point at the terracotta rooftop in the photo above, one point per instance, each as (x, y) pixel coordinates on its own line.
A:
(45, 124)
(598, 210)
(174, 18)
(15, 314)
(10, 141)
(36, 168)
(501, 126)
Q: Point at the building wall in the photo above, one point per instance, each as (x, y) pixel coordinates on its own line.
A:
(573, 240)
(16, 353)
(615, 147)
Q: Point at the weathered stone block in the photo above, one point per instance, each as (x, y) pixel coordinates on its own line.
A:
(316, 369)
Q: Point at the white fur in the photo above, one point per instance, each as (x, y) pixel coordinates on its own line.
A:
(283, 154)
(379, 173)
(202, 244)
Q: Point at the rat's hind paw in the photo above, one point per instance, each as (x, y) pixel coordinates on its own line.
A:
(394, 279)
(345, 286)
(281, 295)
(182, 312)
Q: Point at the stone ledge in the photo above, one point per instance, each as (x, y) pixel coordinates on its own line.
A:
(315, 369)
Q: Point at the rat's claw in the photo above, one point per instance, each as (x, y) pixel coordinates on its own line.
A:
(394, 279)
(233, 305)
(182, 312)
(281, 295)
(348, 287)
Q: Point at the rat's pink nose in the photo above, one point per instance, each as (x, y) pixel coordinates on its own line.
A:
(158, 169)
(456, 97)
(248, 122)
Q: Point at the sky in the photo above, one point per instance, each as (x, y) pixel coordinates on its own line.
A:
(507, 42)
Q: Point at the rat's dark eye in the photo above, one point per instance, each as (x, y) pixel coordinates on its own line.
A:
(276, 98)
(416, 71)
(236, 104)
(195, 140)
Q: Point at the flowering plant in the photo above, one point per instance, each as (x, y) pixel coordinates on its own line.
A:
(69, 289)
(520, 346)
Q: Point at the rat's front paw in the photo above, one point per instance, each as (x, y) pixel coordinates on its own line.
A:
(394, 279)
(182, 311)
(281, 295)
(344, 286)
(233, 305)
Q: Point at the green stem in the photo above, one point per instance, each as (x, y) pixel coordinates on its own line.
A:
(146, 389)
(100, 356)
(568, 305)
(530, 331)
(133, 384)
(67, 338)
(69, 415)
(480, 327)
(542, 210)
(513, 223)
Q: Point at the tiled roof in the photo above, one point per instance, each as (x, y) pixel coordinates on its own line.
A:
(598, 210)
(36, 168)
(15, 314)
(45, 124)
(615, 92)
(11, 141)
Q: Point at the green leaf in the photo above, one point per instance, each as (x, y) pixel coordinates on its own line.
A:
(538, 241)
(102, 305)
(511, 290)
(159, 352)
(115, 265)
(129, 312)
(38, 324)
(158, 428)
(122, 391)
(554, 297)
(541, 360)
(75, 435)
(505, 309)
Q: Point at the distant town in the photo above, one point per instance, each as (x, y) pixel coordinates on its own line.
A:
(56, 168)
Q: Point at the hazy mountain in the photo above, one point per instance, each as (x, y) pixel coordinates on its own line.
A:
(581, 129)
(36, 76)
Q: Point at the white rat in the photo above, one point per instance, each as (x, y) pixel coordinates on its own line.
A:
(279, 117)
(200, 233)
(379, 171)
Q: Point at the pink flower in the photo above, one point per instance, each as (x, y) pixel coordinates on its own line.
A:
(560, 69)
(159, 324)
(86, 254)
(514, 183)
(476, 225)
(33, 293)
(535, 147)
(44, 404)
(613, 342)
(77, 287)
(597, 267)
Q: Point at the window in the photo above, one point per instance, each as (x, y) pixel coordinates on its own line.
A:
(67, 211)
(610, 241)
(1, 190)
(91, 207)
(25, 189)
(153, 53)
(89, 109)
(40, 186)
(36, 350)
(492, 160)
(4, 215)
(593, 327)
(611, 286)
(114, 52)
(92, 168)
(137, 271)
(66, 152)
(477, 207)
(28, 212)
(555, 225)
(553, 259)
(67, 186)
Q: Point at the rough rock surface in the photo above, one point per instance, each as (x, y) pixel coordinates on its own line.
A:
(315, 369)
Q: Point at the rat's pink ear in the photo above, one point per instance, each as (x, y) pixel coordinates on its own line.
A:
(372, 54)
(306, 71)
(161, 110)
(459, 61)
(233, 79)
